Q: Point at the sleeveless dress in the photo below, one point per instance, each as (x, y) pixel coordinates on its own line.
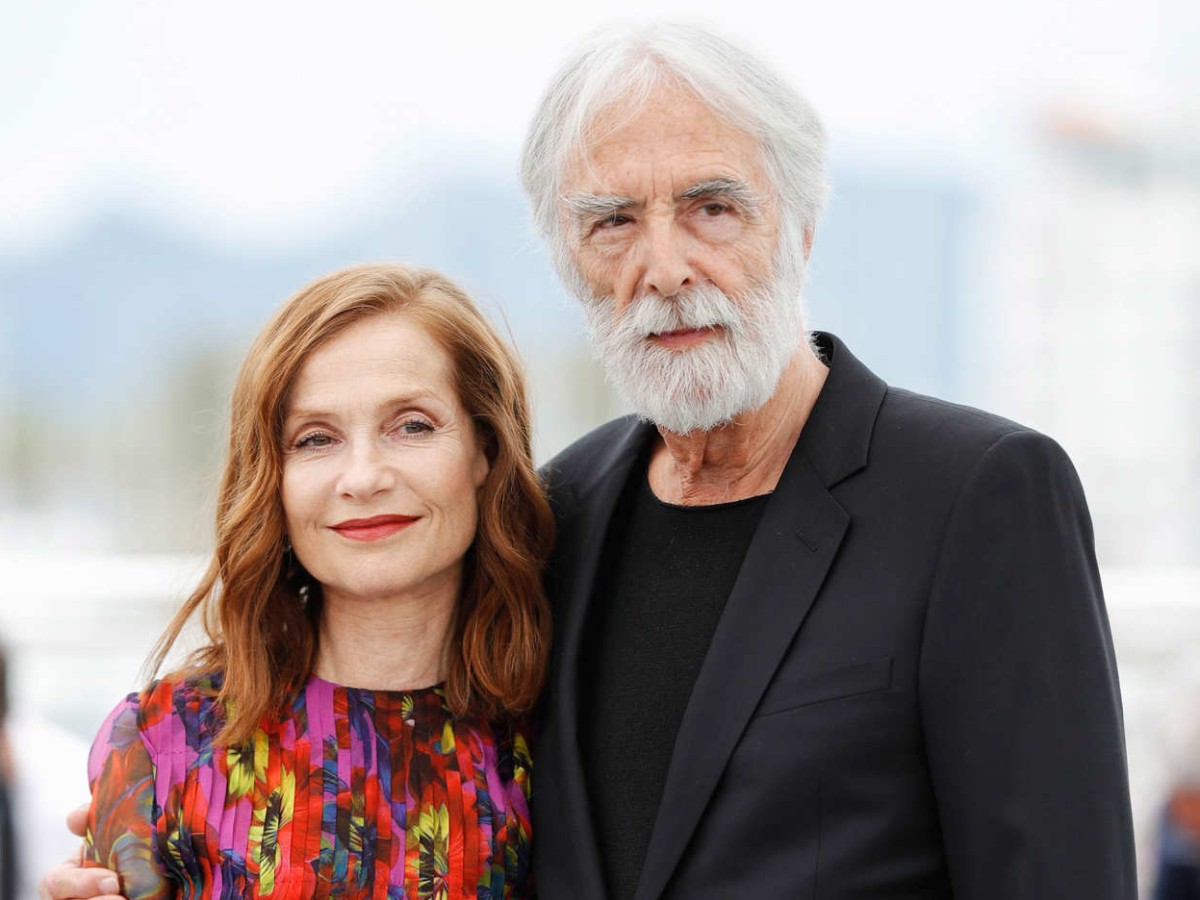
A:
(356, 794)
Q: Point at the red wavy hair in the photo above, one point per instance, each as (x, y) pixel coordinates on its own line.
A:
(261, 637)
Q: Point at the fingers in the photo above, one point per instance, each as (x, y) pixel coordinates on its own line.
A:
(77, 820)
(70, 882)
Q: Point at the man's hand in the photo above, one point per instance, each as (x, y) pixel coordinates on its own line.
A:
(70, 881)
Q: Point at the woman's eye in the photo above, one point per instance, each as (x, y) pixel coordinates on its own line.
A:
(314, 441)
(414, 426)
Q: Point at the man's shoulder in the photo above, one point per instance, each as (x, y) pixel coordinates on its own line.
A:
(590, 452)
(589, 463)
(953, 438)
(859, 420)
(923, 415)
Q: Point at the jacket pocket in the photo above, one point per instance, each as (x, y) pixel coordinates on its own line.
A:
(845, 681)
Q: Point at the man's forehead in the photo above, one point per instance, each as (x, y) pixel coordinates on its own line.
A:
(672, 135)
(675, 131)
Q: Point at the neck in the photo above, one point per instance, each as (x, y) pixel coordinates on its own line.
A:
(393, 644)
(746, 457)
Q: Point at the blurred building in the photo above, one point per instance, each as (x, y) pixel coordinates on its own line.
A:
(1091, 327)
(890, 274)
(119, 343)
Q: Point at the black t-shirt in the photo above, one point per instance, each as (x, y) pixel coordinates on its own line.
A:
(666, 573)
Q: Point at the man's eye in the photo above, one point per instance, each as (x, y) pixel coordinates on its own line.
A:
(715, 209)
(614, 221)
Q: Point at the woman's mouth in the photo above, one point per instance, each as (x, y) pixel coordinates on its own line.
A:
(375, 528)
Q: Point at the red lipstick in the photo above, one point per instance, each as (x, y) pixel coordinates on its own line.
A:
(375, 528)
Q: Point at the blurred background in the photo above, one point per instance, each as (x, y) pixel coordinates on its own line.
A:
(1015, 224)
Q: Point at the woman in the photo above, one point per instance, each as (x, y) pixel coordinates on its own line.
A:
(8, 825)
(375, 619)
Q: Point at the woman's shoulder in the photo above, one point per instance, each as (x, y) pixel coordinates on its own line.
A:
(192, 695)
(176, 714)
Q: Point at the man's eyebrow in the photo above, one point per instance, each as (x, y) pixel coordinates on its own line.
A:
(732, 189)
(582, 206)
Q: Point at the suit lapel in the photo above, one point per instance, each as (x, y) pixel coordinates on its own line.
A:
(793, 547)
(782, 573)
(577, 560)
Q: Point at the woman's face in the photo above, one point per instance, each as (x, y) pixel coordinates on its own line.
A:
(381, 465)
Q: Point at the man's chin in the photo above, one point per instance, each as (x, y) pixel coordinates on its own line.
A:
(684, 416)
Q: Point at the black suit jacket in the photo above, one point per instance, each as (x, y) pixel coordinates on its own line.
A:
(911, 692)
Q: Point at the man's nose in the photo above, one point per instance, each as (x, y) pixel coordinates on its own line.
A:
(667, 269)
(366, 471)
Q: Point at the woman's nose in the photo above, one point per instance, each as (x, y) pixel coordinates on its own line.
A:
(366, 472)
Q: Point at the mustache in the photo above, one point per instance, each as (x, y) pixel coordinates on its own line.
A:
(705, 306)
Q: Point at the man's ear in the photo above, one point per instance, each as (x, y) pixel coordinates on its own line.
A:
(808, 239)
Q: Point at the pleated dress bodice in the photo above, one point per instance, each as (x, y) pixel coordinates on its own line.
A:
(355, 793)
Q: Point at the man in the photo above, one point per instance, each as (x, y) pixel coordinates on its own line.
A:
(815, 636)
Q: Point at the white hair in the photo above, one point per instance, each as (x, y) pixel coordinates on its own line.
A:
(734, 371)
(619, 67)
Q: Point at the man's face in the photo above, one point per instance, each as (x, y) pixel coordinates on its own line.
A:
(672, 229)
(673, 199)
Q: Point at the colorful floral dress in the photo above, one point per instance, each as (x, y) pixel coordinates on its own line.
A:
(356, 794)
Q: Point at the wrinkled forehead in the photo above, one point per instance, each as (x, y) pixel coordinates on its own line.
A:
(667, 124)
(382, 346)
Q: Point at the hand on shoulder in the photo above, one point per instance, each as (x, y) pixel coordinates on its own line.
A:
(70, 880)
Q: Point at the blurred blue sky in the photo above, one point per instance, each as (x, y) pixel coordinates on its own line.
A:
(268, 122)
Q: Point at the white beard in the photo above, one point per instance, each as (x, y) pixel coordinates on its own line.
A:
(700, 387)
